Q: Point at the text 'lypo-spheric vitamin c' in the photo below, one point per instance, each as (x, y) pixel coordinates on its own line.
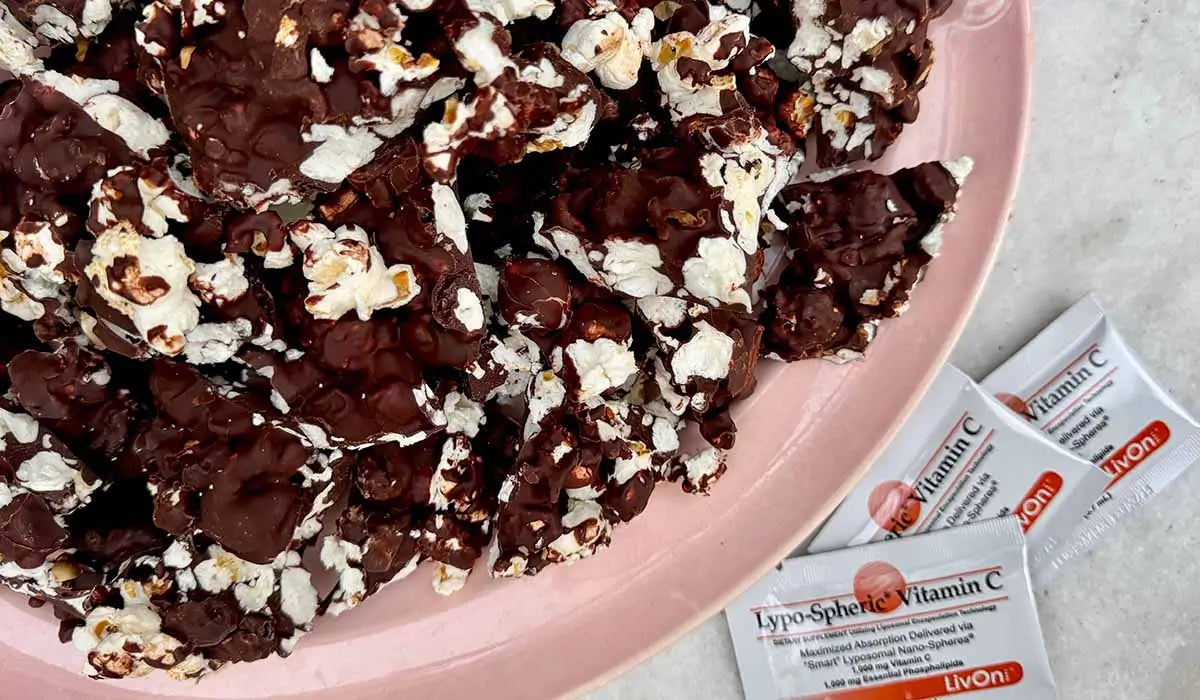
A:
(1082, 386)
(962, 457)
(945, 613)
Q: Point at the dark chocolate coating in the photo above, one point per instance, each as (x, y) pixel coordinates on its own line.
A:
(857, 238)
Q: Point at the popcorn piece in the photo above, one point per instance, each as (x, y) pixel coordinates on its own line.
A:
(610, 46)
(377, 43)
(144, 198)
(128, 642)
(51, 145)
(691, 67)
(600, 365)
(32, 278)
(146, 281)
(345, 272)
(222, 282)
(699, 471)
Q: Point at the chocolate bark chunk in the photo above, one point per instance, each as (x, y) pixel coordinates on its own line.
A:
(859, 244)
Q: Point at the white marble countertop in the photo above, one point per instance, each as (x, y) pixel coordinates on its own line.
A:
(1110, 202)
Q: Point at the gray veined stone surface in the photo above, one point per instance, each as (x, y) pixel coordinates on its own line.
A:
(1110, 202)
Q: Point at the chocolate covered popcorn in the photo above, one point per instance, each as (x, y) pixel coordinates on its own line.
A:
(305, 298)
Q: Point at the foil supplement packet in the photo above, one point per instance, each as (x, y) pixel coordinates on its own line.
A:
(929, 616)
(961, 457)
(1081, 385)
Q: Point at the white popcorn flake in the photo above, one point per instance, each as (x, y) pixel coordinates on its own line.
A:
(36, 256)
(512, 10)
(668, 312)
(707, 354)
(567, 130)
(874, 80)
(813, 41)
(342, 150)
(214, 343)
(547, 392)
(871, 297)
(161, 202)
(297, 596)
(51, 23)
(146, 279)
(684, 96)
(463, 416)
(702, 465)
(469, 310)
(117, 637)
(639, 460)
(253, 593)
(718, 273)
(318, 67)
(850, 110)
(459, 124)
(219, 571)
(177, 556)
(480, 54)
(477, 207)
(24, 428)
(665, 435)
(959, 169)
(866, 35)
(17, 46)
(632, 267)
(447, 579)
(601, 365)
(610, 46)
(278, 192)
(586, 528)
(46, 471)
(344, 559)
(448, 216)
(14, 300)
(396, 65)
(345, 272)
(454, 452)
(288, 32)
(506, 489)
(221, 282)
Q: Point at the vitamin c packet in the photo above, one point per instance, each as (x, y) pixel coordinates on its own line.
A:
(1081, 385)
(930, 616)
(962, 457)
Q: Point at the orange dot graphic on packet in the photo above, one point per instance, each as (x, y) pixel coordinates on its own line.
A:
(877, 587)
(1014, 402)
(894, 506)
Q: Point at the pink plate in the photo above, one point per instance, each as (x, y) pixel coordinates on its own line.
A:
(805, 438)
